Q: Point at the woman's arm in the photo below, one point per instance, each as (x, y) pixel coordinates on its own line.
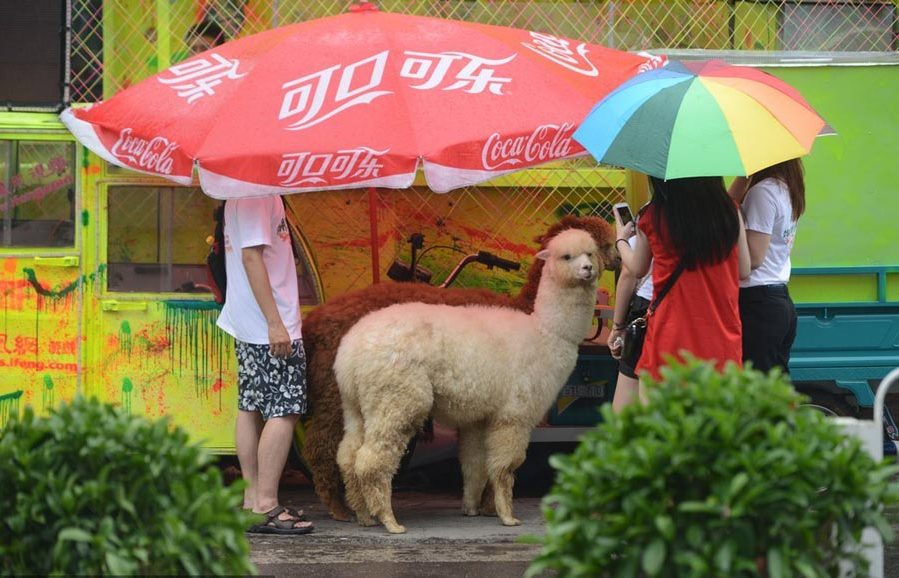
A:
(624, 290)
(758, 247)
(638, 259)
(738, 188)
(743, 250)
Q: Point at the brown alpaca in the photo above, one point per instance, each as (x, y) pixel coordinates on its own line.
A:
(326, 325)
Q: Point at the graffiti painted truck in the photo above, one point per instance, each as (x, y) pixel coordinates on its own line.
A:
(103, 287)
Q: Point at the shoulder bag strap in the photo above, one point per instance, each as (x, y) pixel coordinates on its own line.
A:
(665, 289)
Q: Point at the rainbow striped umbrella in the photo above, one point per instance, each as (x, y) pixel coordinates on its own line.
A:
(700, 118)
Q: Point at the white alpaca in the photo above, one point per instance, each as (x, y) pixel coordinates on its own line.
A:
(491, 372)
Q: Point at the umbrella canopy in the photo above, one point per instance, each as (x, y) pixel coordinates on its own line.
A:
(703, 118)
(357, 100)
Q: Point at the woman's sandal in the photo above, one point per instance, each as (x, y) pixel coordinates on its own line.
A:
(275, 525)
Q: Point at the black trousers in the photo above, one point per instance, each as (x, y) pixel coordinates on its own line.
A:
(769, 326)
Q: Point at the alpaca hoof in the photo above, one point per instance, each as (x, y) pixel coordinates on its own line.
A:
(511, 522)
(341, 515)
(395, 528)
(366, 521)
(470, 511)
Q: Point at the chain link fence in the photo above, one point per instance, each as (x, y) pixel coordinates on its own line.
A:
(116, 43)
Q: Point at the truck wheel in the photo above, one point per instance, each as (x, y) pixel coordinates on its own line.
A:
(828, 404)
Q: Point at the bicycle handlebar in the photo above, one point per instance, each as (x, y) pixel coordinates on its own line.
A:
(485, 258)
(492, 261)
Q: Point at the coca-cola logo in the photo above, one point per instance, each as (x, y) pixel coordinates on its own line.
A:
(653, 61)
(559, 50)
(154, 155)
(547, 142)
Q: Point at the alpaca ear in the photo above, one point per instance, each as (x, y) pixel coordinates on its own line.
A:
(543, 255)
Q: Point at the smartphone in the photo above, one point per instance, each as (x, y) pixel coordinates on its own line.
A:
(624, 212)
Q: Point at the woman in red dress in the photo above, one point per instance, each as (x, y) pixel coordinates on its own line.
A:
(691, 222)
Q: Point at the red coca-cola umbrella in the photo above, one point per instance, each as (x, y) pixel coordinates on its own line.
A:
(358, 100)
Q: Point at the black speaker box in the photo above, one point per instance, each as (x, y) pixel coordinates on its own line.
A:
(33, 54)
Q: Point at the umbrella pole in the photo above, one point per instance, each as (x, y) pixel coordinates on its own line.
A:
(373, 227)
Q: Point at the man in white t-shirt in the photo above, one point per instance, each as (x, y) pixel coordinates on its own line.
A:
(262, 313)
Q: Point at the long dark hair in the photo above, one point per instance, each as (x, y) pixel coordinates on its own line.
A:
(792, 175)
(697, 218)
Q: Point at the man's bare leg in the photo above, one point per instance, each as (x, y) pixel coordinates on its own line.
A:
(249, 428)
(274, 443)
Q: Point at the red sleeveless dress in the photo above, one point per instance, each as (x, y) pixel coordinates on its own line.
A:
(700, 313)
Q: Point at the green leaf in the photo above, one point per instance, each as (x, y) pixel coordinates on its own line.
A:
(118, 564)
(724, 557)
(738, 483)
(529, 539)
(654, 557)
(74, 535)
(665, 526)
(776, 566)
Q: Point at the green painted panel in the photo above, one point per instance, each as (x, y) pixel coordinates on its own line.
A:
(892, 287)
(833, 288)
(852, 179)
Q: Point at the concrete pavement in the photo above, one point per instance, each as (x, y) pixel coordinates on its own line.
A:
(439, 543)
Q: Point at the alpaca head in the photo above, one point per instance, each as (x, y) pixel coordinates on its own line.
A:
(603, 233)
(571, 259)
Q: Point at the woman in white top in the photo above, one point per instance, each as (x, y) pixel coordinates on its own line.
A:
(772, 199)
(632, 298)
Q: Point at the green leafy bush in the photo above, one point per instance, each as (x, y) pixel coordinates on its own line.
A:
(718, 475)
(91, 490)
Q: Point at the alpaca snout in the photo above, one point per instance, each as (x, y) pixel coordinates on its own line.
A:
(587, 272)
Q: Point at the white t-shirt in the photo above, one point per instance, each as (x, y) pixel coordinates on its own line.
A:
(644, 285)
(251, 223)
(767, 209)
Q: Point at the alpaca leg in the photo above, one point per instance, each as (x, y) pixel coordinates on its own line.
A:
(390, 422)
(506, 448)
(376, 465)
(347, 455)
(472, 457)
(488, 501)
(323, 436)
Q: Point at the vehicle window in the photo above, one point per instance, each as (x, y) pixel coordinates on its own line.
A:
(37, 193)
(157, 241)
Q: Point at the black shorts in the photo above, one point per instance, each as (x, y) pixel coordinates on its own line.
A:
(635, 310)
(769, 326)
(273, 386)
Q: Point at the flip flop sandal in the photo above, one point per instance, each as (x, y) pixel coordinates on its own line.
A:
(275, 525)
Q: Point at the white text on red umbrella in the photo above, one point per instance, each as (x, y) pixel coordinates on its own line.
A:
(197, 77)
(154, 155)
(556, 49)
(547, 142)
(315, 98)
(305, 168)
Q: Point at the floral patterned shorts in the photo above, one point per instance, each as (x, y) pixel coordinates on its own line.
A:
(273, 386)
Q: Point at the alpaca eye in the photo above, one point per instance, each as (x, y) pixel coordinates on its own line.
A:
(567, 257)
(589, 254)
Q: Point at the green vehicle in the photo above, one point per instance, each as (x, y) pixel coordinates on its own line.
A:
(845, 279)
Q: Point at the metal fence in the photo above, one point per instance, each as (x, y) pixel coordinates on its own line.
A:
(117, 43)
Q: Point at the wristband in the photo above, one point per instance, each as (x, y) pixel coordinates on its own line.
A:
(619, 240)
